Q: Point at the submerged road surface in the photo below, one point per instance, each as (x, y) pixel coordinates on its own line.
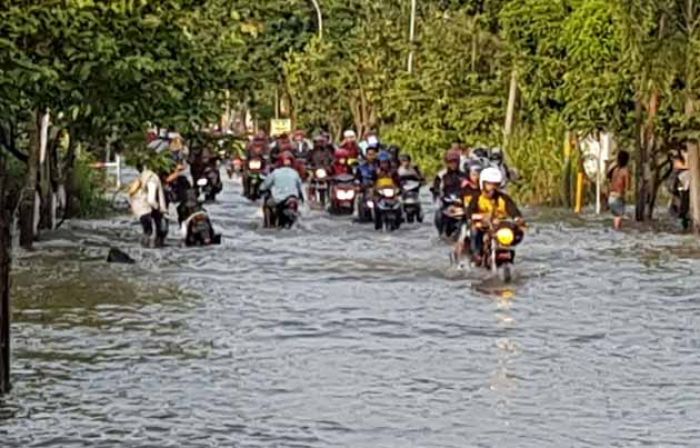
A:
(332, 335)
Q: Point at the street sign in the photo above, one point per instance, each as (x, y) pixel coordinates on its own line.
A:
(280, 126)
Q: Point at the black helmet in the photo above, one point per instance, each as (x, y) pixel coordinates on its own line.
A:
(496, 155)
(480, 153)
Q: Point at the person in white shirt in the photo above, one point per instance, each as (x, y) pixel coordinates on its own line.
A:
(149, 206)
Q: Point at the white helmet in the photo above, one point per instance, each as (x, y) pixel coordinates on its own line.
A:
(349, 134)
(490, 175)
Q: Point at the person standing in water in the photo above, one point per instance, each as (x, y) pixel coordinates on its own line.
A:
(619, 178)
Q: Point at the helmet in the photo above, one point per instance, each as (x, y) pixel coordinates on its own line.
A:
(394, 150)
(496, 155)
(474, 167)
(491, 176)
(480, 153)
(286, 157)
(349, 134)
(453, 155)
(384, 156)
(372, 141)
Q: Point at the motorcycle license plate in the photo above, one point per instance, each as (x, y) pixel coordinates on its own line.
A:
(504, 256)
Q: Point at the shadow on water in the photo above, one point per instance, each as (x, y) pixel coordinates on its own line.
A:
(334, 335)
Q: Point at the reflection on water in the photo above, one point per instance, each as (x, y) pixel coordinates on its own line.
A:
(332, 335)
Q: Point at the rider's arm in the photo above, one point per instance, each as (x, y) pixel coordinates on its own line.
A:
(512, 209)
(300, 189)
(435, 189)
(269, 181)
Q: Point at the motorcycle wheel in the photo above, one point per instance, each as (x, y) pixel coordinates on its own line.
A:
(506, 273)
(419, 217)
(410, 217)
(378, 222)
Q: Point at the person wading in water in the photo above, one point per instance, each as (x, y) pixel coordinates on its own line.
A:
(619, 177)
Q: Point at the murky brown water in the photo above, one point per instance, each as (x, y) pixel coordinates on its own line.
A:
(332, 335)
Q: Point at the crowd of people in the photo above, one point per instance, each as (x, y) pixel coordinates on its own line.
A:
(364, 175)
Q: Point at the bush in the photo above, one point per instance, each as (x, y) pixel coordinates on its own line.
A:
(90, 187)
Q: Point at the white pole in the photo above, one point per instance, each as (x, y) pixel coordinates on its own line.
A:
(412, 35)
(118, 161)
(319, 16)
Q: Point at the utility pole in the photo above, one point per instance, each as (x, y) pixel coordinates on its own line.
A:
(412, 35)
(5, 260)
(319, 18)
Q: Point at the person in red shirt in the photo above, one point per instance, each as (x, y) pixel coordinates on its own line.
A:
(350, 144)
(340, 164)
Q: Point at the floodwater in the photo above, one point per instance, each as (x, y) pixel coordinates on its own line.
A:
(332, 335)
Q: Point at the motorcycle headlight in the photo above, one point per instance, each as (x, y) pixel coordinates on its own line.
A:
(320, 173)
(255, 164)
(202, 182)
(388, 192)
(345, 195)
(505, 236)
(370, 204)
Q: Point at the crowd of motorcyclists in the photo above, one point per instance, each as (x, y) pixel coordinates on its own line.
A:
(376, 183)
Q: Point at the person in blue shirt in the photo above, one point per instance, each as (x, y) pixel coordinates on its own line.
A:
(283, 183)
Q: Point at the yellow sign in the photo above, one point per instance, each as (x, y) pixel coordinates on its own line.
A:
(280, 126)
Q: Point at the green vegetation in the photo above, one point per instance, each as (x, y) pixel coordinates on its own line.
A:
(106, 69)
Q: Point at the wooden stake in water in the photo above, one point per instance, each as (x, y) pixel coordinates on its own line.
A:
(5, 242)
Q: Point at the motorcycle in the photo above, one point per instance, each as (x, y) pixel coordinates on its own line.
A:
(450, 217)
(342, 195)
(318, 187)
(387, 209)
(210, 183)
(365, 204)
(499, 248)
(283, 215)
(253, 179)
(195, 225)
(175, 191)
(410, 200)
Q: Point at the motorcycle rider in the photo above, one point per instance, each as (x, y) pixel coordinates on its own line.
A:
(496, 158)
(340, 163)
(320, 156)
(302, 146)
(489, 208)
(176, 183)
(148, 204)
(408, 171)
(258, 146)
(367, 171)
(449, 181)
(471, 187)
(471, 190)
(282, 184)
(350, 144)
(385, 169)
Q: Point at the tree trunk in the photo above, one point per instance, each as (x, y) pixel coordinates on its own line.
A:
(5, 260)
(46, 190)
(28, 205)
(694, 168)
(639, 174)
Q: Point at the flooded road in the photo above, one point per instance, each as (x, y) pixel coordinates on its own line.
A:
(331, 335)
